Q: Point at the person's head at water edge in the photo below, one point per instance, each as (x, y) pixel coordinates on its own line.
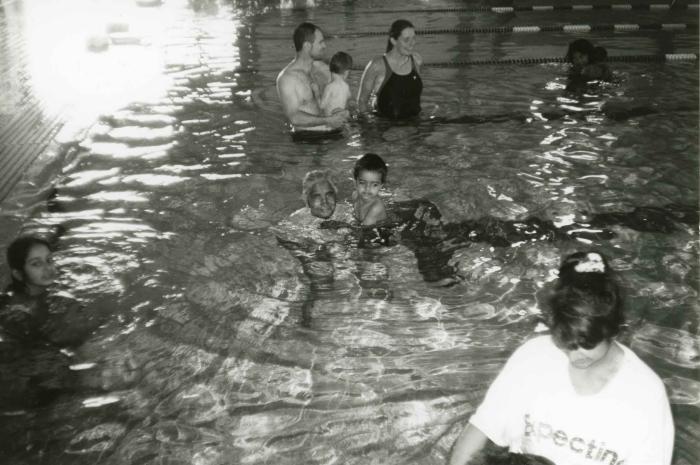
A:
(309, 41)
(319, 193)
(31, 265)
(369, 174)
(579, 53)
(402, 37)
(585, 309)
(340, 64)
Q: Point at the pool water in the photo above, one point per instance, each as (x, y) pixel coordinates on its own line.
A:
(217, 344)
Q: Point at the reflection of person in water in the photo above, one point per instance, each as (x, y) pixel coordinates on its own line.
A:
(577, 393)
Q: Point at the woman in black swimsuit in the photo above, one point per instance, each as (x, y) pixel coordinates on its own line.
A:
(391, 84)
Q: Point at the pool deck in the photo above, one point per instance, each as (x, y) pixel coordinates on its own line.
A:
(28, 128)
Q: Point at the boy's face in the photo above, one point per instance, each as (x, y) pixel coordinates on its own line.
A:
(579, 59)
(368, 184)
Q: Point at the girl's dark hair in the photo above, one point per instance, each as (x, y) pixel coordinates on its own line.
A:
(582, 46)
(17, 254)
(395, 31)
(586, 306)
(370, 162)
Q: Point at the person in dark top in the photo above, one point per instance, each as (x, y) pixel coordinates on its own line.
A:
(391, 84)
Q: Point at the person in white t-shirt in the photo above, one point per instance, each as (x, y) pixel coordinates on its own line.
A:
(576, 396)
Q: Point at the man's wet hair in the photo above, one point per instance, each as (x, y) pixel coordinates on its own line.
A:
(585, 308)
(305, 32)
(340, 62)
(583, 46)
(395, 31)
(314, 177)
(370, 162)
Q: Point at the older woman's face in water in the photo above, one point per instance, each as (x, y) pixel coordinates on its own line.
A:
(406, 41)
(321, 200)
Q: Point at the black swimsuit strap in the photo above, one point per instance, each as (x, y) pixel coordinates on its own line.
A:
(387, 74)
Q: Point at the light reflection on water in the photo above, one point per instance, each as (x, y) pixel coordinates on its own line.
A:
(226, 347)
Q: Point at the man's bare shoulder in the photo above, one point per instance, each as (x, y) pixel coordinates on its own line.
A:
(291, 75)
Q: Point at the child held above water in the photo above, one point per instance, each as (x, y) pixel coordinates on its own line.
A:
(370, 175)
(337, 93)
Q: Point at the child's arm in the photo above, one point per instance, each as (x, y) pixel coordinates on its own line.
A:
(327, 100)
(376, 214)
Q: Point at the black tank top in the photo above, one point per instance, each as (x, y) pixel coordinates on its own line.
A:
(399, 95)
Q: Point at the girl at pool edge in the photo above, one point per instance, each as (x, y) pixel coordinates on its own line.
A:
(576, 395)
(24, 310)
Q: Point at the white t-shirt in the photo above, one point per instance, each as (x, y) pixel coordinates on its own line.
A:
(532, 407)
(335, 96)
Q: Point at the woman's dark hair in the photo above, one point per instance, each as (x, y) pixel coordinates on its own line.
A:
(395, 31)
(586, 306)
(583, 46)
(370, 162)
(17, 254)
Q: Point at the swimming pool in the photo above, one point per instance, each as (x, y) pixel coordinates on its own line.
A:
(221, 349)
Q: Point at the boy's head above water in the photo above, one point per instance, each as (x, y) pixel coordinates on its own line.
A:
(370, 175)
(370, 162)
(579, 53)
(340, 63)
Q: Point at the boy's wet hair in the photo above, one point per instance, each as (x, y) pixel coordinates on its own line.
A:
(586, 305)
(583, 46)
(313, 177)
(370, 162)
(395, 31)
(17, 254)
(340, 62)
(305, 32)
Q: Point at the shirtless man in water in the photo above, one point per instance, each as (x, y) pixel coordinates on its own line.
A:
(300, 84)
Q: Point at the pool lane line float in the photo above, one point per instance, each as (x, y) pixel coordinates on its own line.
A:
(545, 60)
(513, 9)
(624, 27)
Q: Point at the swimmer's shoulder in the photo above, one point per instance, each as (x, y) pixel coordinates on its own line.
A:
(638, 373)
(376, 65)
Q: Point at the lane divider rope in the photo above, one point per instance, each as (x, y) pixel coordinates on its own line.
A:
(519, 29)
(546, 60)
(513, 9)
(676, 57)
